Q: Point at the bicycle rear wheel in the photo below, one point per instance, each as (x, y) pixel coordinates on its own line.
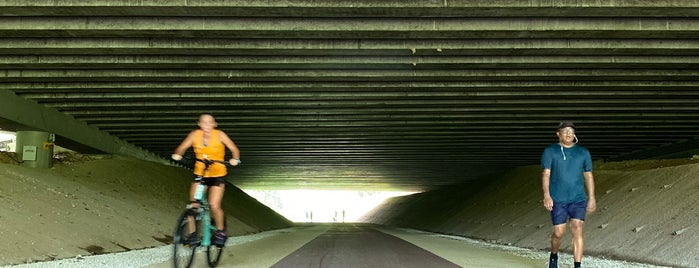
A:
(184, 245)
(213, 252)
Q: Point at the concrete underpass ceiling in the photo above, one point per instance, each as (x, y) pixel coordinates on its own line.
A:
(335, 94)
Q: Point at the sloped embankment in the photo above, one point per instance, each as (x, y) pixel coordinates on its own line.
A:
(647, 211)
(98, 204)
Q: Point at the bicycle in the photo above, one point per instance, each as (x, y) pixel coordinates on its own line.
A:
(195, 228)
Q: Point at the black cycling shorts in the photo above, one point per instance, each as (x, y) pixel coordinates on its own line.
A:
(213, 181)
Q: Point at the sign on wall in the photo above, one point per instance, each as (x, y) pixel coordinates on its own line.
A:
(29, 153)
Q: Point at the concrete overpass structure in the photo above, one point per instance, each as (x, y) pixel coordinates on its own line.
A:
(334, 94)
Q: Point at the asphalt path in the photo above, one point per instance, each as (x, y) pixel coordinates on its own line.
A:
(360, 246)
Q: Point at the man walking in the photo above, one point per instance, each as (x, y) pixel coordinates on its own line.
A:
(567, 167)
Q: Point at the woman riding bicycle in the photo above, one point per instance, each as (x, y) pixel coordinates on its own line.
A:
(210, 143)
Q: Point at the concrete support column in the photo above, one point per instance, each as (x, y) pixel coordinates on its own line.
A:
(35, 148)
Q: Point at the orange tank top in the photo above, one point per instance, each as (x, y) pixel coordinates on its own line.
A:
(214, 150)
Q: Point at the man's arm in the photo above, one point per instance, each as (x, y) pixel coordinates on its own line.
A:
(590, 185)
(545, 182)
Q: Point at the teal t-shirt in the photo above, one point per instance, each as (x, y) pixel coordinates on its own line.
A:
(567, 165)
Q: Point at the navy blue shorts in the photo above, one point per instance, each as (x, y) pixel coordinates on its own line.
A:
(563, 211)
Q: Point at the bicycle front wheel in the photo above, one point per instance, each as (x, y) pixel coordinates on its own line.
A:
(185, 240)
(213, 252)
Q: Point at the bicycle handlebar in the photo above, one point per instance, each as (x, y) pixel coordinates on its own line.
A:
(207, 162)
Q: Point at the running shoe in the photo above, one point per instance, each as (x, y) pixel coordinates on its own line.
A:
(220, 238)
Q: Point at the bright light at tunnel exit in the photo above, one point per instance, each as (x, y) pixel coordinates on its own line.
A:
(322, 205)
(7, 141)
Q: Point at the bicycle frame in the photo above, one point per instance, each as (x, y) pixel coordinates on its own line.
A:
(204, 210)
(204, 214)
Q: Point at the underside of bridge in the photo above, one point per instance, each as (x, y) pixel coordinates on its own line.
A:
(335, 94)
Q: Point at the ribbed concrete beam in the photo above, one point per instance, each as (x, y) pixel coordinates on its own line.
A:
(349, 62)
(329, 104)
(130, 75)
(338, 28)
(349, 47)
(629, 95)
(30, 116)
(648, 87)
(342, 8)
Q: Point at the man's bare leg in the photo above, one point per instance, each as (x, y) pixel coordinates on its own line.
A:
(558, 232)
(576, 228)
